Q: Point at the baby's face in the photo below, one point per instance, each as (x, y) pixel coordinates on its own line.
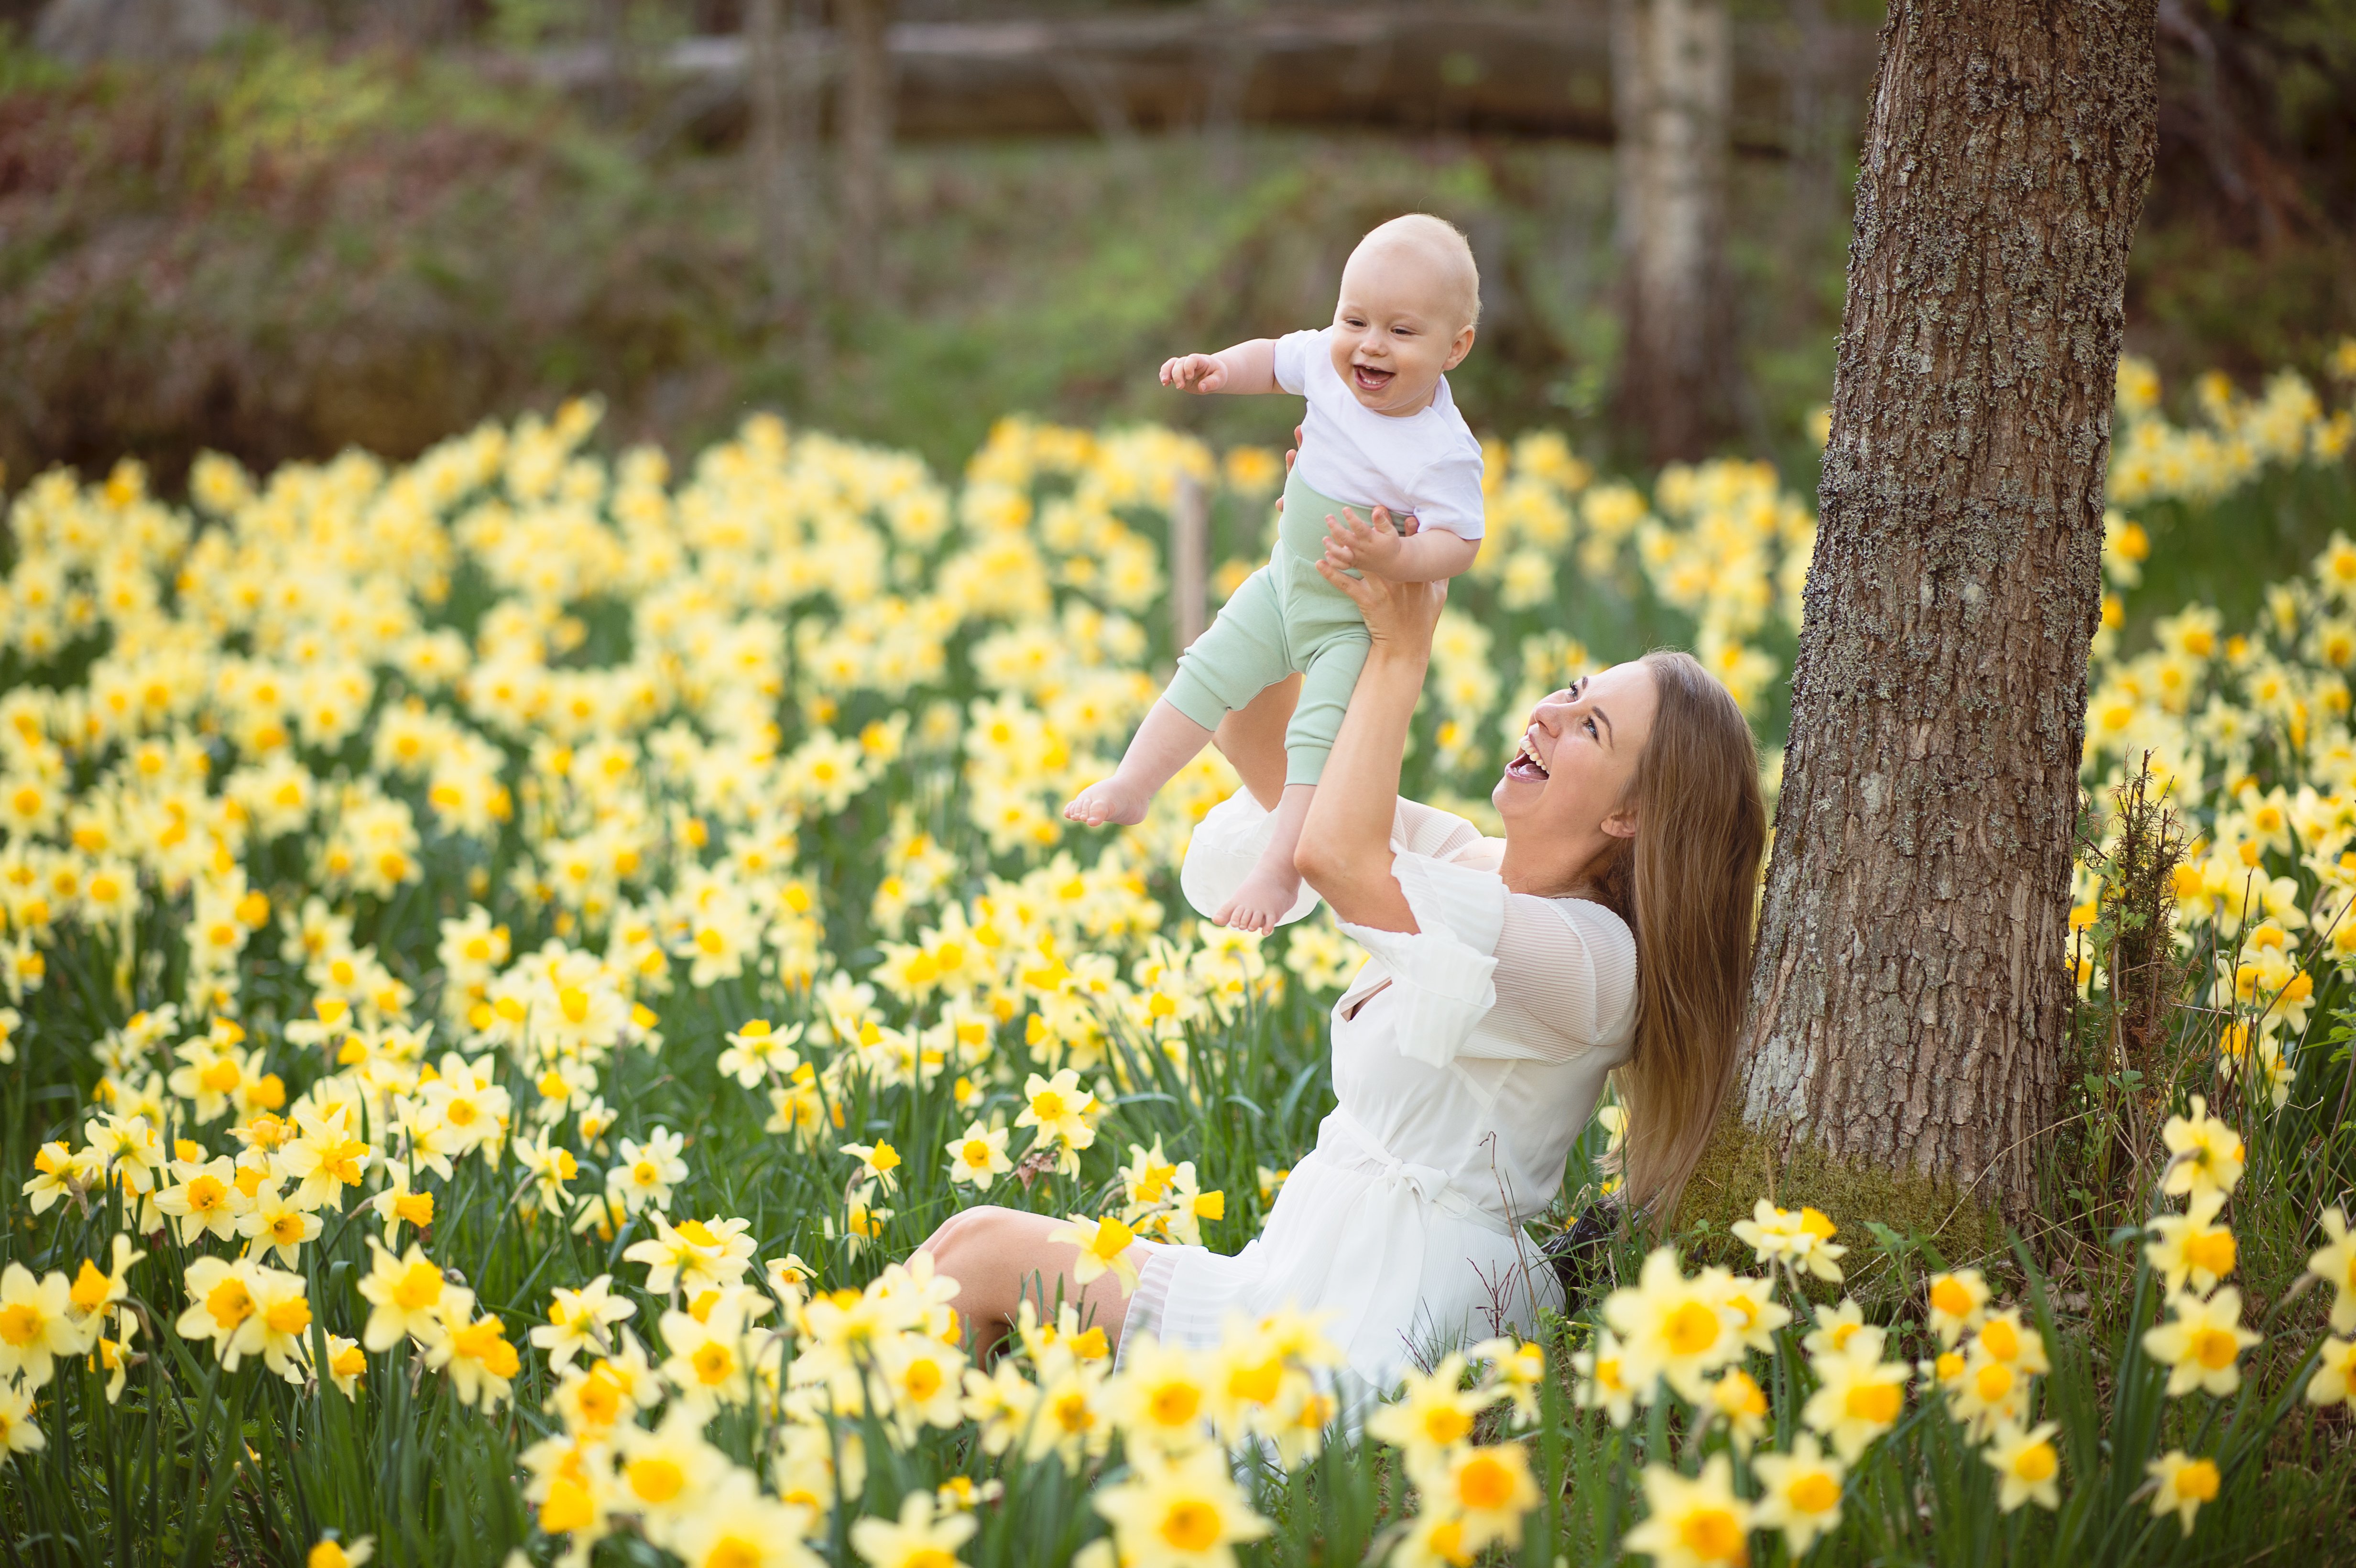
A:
(1397, 328)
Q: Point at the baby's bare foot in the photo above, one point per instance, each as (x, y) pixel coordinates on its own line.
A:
(1108, 800)
(1265, 898)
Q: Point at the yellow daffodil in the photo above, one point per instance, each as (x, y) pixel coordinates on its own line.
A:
(1433, 1413)
(1958, 1300)
(37, 1323)
(333, 1552)
(2181, 1484)
(1859, 1397)
(1103, 1246)
(1673, 1327)
(2334, 1382)
(1180, 1513)
(2205, 1154)
(578, 1321)
(1800, 1493)
(1488, 1487)
(2201, 1343)
(406, 1295)
(978, 1157)
(2028, 1467)
(1603, 1379)
(1698, 1522)
(916, 1539)
(2335, 1262)
(1162, 1397)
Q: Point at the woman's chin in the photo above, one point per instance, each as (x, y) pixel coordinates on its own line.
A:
(1515, 791)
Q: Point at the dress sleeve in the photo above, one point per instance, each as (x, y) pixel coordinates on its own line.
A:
(1443, 971)
(1421, 830)
(1565, 981)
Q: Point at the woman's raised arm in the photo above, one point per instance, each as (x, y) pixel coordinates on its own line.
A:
(1344, 851)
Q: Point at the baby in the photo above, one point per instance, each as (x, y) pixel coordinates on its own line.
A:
(1381, 435)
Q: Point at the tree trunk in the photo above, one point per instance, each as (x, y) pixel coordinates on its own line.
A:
(865, 134)
(1672, 86)
(614, 42)
(764, 145)
(1909, 1005)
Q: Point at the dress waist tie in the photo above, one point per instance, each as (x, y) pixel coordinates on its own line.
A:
(1428, 1182)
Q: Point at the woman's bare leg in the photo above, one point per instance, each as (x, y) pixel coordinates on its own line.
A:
(999, 1256)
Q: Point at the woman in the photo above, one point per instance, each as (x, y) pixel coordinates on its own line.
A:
(1609, 931)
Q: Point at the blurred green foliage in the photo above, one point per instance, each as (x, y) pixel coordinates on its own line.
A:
(281, 252)
(288, 249)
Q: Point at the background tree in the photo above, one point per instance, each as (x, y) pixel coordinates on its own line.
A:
(1672, 94)
(1910, 999)
(864, 131)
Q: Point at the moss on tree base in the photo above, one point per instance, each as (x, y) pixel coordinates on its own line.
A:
(1743, 1164)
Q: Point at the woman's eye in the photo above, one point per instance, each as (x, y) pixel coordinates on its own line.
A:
(1592, 731)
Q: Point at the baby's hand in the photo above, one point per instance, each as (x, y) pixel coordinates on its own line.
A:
(1367, 547)
(1195, 372)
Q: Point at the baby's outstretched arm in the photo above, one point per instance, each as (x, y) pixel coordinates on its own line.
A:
(1414, 557)
(1248, 368)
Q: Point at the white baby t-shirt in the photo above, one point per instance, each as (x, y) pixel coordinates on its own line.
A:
(1425, 463)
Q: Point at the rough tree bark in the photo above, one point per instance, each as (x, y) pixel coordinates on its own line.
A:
(864, 130)
(1672, 94)
(1910, 999)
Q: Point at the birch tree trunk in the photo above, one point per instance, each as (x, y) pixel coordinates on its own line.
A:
(865, 133)
(1672, 94)
(1909, 1005)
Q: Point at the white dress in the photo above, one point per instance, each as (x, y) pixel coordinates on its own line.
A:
(1467, 1060)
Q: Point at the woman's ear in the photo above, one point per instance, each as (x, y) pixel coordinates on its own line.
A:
(1620, 823)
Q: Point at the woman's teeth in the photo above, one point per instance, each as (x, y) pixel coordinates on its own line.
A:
(1529, 753)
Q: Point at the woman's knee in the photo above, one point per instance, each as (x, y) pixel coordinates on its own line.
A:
(965, 1234)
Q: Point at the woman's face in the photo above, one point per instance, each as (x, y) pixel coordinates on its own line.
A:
(1565, 783)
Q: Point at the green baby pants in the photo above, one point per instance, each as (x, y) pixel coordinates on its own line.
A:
(1285, 618)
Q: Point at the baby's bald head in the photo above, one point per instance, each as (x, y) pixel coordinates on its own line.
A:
(1430, 255)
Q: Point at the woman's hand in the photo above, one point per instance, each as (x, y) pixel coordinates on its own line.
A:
(1292, 456)
(1400, 616)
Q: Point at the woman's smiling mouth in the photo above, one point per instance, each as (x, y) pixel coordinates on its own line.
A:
(1525, 763)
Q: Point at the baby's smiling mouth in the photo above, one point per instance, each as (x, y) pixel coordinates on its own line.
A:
(1371, 378)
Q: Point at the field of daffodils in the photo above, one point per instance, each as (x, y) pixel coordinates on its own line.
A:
(504, 956)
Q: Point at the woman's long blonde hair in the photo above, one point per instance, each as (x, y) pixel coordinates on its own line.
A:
(1687, 886)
